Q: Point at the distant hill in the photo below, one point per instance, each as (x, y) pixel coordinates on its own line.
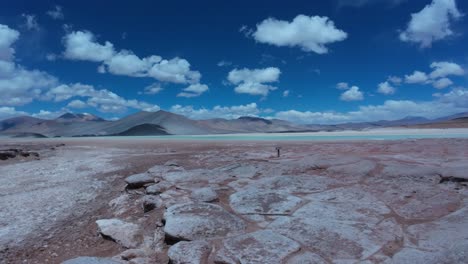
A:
(70, 117)
(144, 130)
(455, 121)
(167, 123)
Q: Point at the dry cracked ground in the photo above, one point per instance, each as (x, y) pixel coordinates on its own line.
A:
(142, 201)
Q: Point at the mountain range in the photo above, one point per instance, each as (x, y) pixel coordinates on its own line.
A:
(167, 123)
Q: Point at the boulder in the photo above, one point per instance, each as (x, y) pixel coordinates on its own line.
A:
(139, 180)
(126, 234)
(206, 194)
(193, 252)
(195, 221)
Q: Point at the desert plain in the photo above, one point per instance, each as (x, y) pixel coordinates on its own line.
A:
(96, 200)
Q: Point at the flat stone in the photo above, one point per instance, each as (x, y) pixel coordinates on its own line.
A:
(194, 221)
(344, 224)
(90, 260)
(257, 201)
(443, 234)
(126, 234)
(189, 252)
(263, 246)
(139, 180)
(206, 194)
(306, 258)
(158, 188)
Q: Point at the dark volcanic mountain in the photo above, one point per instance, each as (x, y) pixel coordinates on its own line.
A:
(144, 130)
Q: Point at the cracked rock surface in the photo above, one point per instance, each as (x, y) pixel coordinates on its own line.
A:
(320, 202)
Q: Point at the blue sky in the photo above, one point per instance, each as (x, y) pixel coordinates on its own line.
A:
(308, 62)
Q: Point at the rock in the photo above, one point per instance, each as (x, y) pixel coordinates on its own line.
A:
(158, 188)
(132, 254)
(413, 192)
(260, 247)
(172, 163)
(90, 260)
(306, 258)
(432, 236)
(255, 201)
(175, 196)
(139, 180)
(151, 202)
(193, 252)
(194, 221)
(126, 234)
(206, 194)
(344, 224)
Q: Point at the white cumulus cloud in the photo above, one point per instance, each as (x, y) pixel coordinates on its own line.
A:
(444, 68)
(82, 45)
(253, 81)
(442, 83)
(193, 90)
(385, 88)
(432, 23)
(352, 94)
(342, 86)
(8, 36)
(416, 77)
(228, 112)
(455, 101)
(310, 33)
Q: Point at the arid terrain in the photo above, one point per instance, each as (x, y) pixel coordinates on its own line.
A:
(99, 200)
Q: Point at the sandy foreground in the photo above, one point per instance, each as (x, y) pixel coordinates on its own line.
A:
(150, 201)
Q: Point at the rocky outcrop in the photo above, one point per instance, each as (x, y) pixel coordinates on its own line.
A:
(126, 234)
(139, 180)
(194, 221)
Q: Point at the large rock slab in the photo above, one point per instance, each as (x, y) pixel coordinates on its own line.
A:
(90, 260)
(344, 224)
(195, 221)
(302, 184)
(263, 246)
(433, 236)
(413, 192)
(192, 252)
(126, 234)
(353, 172)
(257, 201)
(139, 180)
